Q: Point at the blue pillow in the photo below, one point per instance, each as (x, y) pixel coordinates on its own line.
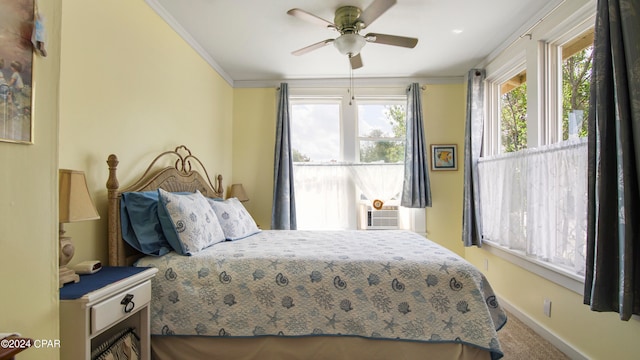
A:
(141, 227)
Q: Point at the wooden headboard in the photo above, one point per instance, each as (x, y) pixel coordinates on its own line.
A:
(180, 177)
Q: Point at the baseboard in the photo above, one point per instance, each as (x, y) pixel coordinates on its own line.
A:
(558, 342)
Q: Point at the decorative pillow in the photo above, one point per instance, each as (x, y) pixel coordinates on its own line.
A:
(235, 220)
(188, 222)
(140, 223)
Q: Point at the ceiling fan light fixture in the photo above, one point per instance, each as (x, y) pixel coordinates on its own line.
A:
(349, 44)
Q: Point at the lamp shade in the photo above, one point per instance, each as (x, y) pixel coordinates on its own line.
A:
(75, 202)
(237, 191)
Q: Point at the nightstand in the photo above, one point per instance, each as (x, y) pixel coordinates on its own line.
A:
(102, 305)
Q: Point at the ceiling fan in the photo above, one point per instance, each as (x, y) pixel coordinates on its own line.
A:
(348, 21)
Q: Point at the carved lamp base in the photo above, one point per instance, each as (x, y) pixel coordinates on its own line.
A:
(67, 275)
(67, 250)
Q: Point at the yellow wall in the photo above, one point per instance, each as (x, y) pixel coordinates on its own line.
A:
(28, 209)
(443, 108)
(131, 86)
(254, 129)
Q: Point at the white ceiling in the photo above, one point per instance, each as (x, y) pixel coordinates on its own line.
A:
(252, 40)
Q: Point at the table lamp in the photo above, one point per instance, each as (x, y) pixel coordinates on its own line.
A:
(237, 191)
(75, 204)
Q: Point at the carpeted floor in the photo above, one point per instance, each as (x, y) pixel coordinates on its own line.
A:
(518, 342)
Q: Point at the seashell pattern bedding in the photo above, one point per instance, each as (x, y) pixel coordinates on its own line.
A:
(388, 284)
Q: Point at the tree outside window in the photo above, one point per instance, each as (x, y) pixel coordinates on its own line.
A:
(576, 83)
(513, 113)
(382, 132)
(577, 57)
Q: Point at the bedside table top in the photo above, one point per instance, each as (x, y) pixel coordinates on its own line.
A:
(108, 279)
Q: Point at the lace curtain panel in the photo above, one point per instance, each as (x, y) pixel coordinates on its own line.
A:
(534, 202)
(326, 193)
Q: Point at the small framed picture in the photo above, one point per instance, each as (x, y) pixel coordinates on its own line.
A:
(444, 157)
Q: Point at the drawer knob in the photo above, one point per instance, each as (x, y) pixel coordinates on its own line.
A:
(128, 303)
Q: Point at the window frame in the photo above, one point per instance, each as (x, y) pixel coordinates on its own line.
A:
(492, 142)
(375, 100)
(349, 137)
(555, 72)
(539, 52)
(323, 100)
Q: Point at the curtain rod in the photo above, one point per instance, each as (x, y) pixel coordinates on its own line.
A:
(423, 87)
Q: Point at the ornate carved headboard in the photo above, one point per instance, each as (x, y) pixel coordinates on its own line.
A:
(180, 177)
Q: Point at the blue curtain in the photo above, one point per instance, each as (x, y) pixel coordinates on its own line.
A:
(612, 279)
(471, 215)
(283, 215)
(416, 192)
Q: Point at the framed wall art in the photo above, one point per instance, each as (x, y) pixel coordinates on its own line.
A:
(444, 157)
(16, 75)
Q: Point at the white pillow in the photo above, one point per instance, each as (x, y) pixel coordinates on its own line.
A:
(235, 220)
(188, 222)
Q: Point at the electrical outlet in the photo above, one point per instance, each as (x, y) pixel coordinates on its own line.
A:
(547, 307)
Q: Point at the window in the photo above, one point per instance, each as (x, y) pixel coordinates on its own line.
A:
(533, 171)
(577, 58)
(381, 131)
(341, 152)
(315, 130)
(513, 113)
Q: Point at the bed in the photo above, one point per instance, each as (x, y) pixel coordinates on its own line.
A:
(294, 294)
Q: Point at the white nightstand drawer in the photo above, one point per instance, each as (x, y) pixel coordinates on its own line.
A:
(113, 309)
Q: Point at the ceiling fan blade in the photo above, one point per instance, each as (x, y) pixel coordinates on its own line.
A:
(301, 14)
(392, 40)
(377, 8)
(312, 47)
(356, 61)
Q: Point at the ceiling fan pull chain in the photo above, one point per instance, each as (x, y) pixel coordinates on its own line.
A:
(351, 91)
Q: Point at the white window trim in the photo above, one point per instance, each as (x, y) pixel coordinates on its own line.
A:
(414, 218)
(566, 23)
(543, 269)
(492, 132)
(553, 67)
(324, 99)
(348, 119)
(368, 100)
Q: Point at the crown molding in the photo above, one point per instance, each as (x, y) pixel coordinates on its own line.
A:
(344, 82)
(175, 25)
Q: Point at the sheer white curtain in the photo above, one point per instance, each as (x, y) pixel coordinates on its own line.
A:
(534, 201)
(378, 181)
(326, 196)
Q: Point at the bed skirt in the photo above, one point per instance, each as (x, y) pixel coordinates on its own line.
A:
(306, 348)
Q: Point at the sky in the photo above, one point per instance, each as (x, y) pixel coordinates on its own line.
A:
(315, 128)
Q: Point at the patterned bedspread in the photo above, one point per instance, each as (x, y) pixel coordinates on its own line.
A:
(376, 284)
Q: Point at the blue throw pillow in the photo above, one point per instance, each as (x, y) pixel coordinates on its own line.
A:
(141, 226)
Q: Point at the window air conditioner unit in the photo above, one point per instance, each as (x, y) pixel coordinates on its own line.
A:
(386, 218)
